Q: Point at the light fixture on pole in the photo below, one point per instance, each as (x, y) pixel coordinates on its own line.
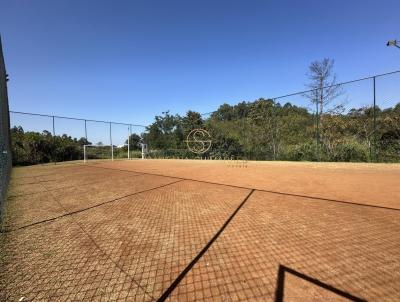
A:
(393, 43)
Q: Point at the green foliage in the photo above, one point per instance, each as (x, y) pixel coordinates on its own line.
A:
(134, 142)
(300, 152)
(30, 148)
(165, 133)
(259, 130)
(351, 151)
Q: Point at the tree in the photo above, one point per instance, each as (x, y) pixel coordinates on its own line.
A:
(361, 123)
(192, 120)
(83, 141)
(165, 132)
(134, 142)
(225, 112)
(262, 117)
(324, 88)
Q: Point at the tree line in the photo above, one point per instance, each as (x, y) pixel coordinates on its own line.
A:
(31, 147)
(267, 130)
(259, 130)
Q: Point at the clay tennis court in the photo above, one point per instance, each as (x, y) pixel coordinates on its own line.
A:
(181, 230)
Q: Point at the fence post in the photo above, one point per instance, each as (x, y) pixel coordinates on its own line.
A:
(84, 154)
(85, 131)
(54, 128)
(112, 147)
(275, 128)
(317, 120)
(374, 113)
(54, 139)
(129, 140)
(244, 151)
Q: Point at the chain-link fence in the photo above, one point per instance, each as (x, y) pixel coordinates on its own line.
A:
(355, 121)
(41, 138)
(5, 143)
(360, 123)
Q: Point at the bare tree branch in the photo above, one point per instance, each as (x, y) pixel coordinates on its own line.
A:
(323, 82)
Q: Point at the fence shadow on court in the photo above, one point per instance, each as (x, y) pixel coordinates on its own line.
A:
(280, 285)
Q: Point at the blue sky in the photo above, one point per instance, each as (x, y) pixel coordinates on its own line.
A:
(130, 60)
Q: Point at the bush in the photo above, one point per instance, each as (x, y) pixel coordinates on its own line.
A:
(388, 150)
(300, 152)
(351, 151)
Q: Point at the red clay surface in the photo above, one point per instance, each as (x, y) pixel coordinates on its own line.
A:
(185, 230)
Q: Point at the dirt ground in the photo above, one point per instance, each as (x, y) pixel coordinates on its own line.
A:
(185, 230)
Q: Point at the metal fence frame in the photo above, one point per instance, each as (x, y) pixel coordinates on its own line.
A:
(110, 123)
(5, 139)
(373, 148)
(373, 81)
